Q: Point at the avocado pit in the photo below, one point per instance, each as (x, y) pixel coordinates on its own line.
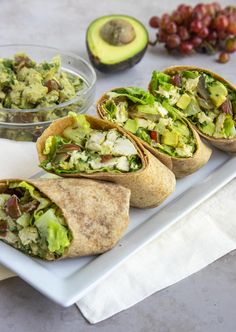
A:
(117, 32)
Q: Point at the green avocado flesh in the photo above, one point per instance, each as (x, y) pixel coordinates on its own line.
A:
(207, 102)
(81, 149)
(30, 222)
(126, 46)
(157, 124)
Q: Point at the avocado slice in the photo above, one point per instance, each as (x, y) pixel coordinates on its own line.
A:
(218, 93)
(116, 42)
(131, 125)
(184, 101)
(170, 138)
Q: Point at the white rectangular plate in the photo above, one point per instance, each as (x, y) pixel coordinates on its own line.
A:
(65, 282)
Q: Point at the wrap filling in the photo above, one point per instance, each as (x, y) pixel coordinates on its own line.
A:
(209, 103)
(155, 122)
(82, 149)
(30, 222)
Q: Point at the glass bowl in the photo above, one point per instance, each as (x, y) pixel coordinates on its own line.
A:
(28, 124)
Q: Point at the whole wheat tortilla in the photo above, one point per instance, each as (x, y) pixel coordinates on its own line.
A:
(224, 144)
(149, 186)
(96, 212)
(179, 166)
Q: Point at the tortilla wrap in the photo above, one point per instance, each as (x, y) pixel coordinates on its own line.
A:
(224, 144)
(149, 186)
(179, 166)
(96, 212)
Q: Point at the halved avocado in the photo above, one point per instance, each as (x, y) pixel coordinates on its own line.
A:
(116, 42)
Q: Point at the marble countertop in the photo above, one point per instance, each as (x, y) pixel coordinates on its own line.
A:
(202, 302)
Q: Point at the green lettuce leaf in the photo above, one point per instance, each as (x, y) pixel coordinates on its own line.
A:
(229, 126)
(143, 134)
(110, 108)
(158, 78)
(208, 128)
(53, 232)
(52, 144)
(190, 74)
(136, 95)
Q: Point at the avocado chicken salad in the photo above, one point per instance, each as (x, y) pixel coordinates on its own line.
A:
(82, 149)
(25, 84)
(207, 102)
(42, 88)
(156, 123)
(32, 223)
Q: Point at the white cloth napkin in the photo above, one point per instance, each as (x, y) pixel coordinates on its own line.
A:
(204, 235)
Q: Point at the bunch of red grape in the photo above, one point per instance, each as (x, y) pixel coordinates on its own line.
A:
(205, 28)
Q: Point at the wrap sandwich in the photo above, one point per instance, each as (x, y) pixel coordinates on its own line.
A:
(85, 146)
(207, 100)
(61, 218)
(158, 126)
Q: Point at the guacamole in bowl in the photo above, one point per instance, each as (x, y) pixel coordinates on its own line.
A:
(39, 86)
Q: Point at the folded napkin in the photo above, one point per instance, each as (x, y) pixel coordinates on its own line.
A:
(198, 239)
(18, 159)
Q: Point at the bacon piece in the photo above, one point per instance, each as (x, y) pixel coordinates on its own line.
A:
(176, 80)
(106, 157)
(12, 207)
(226, 107)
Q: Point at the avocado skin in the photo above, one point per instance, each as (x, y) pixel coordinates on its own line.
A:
(120, 66)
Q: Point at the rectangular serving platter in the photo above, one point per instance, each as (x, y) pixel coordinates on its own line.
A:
(65, 282)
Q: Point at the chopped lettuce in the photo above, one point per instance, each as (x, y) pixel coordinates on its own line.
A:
(229, 126)
(53, 232)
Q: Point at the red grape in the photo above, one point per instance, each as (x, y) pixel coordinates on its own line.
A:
(206, 21)
(177, 17)
(187, 13)
(205, 28)
(231, 28)
(212, 36)
(211, 9)
(173, 41)
(221, 22)
(230, 45)
(171, 28)
(200, 8)
(154, 22)
(223, 57)
(196, 26)
(196, 41)
(186, 47)
(183, 33)
(164, 21)
(204, 32)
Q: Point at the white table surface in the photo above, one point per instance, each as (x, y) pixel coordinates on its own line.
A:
(203, 302)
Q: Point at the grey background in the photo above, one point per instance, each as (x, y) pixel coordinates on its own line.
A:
(205, 301)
